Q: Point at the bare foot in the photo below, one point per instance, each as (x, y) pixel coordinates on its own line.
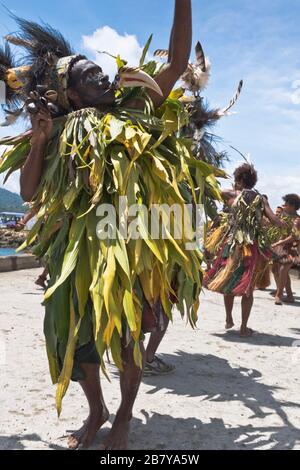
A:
(246, 332)
(117, 439)
(278, 301)
(84, 437)
(41, 281)
(229, 325)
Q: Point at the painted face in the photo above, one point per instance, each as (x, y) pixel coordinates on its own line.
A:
(297, 223)
(238, 186)
(93, 87)
(289, 208)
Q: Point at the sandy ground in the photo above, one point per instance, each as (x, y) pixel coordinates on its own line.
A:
(226, 393)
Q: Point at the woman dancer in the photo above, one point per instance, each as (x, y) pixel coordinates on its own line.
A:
(244, 247)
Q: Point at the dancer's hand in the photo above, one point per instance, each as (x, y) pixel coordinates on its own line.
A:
(42, 126)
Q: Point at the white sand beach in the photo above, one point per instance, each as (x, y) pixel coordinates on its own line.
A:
(226, 392)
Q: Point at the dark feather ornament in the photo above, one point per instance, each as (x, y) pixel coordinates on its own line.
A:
(161, 53)
(40, 40)
(44, 45)
(14, 79)
(7, 63)
(225, 111)
(200, 57)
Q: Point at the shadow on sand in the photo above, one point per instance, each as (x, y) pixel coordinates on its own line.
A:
(258, 339)
(208, 378)
(15, 442)
(213, 379)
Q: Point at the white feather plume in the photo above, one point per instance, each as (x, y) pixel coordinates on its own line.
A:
(226, 111)
(195, 79)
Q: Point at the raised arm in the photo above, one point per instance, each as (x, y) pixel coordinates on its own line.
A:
(179, 51)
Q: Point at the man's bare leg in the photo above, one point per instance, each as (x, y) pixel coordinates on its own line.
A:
(228, 301)
(283, 280)
(98, 412)
(275, 271)
(247, 303)
(154, 341)
(130, 380)
(289, 290)
(41, 280)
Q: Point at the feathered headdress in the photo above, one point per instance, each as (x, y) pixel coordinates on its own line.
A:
(48, 55)
(48, 61)
(15, 79)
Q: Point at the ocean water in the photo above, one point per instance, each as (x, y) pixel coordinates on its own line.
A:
(7, 252)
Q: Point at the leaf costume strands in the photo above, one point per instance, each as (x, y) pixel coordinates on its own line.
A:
(245, 249)
(98, 287)
(216, 236)
(288, 253)
(278, 233)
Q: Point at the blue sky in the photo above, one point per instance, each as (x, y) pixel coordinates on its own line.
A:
(256, 41)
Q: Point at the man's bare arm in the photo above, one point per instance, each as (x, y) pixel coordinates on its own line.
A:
(228, 194)
(179, 54)
(272, 217)
(31, 172)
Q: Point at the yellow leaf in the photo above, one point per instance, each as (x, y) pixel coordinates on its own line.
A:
(108, 276)
(138, 358)
(65, 376)
(83, 279)
(129, 310)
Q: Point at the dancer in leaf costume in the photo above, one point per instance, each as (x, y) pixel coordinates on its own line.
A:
(91, 143)
(244, 248)
(288, 248)
(286, 255)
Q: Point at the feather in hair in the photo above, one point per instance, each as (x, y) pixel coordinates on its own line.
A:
(161, 53)
(200, 56)
(225, 111)
(40, 40)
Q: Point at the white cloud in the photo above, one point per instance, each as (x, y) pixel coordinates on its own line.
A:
(109, 40)
(276, 186)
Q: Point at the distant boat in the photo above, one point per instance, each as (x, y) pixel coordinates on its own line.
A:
(10, 218)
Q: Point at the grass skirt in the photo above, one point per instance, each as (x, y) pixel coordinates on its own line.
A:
(289, 254)
(236, 271)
